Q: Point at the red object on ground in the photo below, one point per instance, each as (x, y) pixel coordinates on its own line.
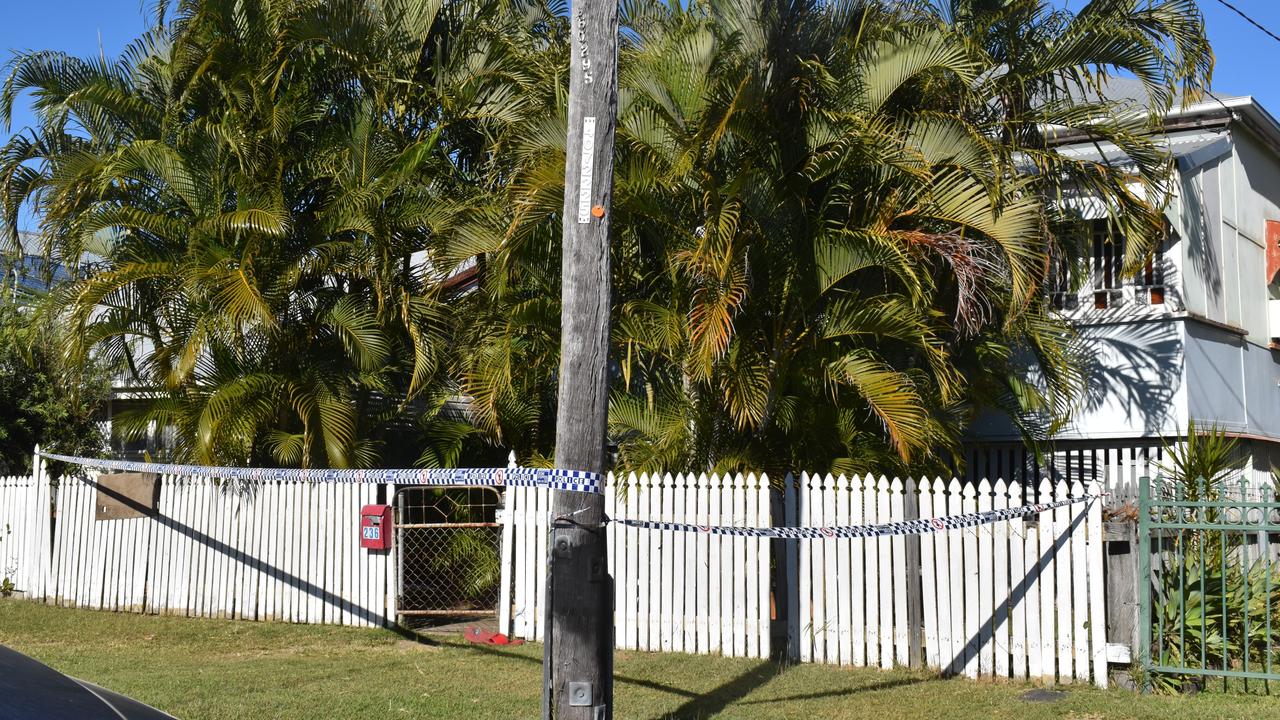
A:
(480, 636)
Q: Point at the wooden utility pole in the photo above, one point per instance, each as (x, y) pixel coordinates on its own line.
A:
(578, 660)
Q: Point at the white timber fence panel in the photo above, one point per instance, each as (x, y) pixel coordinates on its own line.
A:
(673, 591)
(249, 550)
(1016, 599)
(1013, 599)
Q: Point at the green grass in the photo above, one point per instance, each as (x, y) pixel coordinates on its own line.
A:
(219, 669)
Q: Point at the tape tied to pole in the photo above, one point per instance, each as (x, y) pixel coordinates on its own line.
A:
(571, 480)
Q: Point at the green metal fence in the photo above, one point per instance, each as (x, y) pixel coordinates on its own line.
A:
(1210, 601)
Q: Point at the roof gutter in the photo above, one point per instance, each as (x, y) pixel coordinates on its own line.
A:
(1205, 115)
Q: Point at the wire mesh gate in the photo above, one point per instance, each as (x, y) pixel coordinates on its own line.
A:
(1210, 584)
(449, 553)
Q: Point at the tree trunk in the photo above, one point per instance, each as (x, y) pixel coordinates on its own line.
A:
(579, 642)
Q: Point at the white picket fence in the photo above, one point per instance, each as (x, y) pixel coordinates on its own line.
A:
(1013, 599)
(673, 591)
(270, 550)
(1010, 599)
(24, 520)
(1016, 599)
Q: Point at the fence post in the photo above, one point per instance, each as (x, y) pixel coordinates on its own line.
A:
(508, 534)
(781, 572)
(915, 594)
(1144, 579)
(1120, 558)
(791, 558)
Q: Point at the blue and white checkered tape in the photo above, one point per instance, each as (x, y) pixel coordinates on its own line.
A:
(573, 480)
(903, 527)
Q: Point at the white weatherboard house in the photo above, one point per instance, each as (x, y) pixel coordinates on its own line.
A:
(1195, 337)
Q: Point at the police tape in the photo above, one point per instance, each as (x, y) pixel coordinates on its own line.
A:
(572, 480)
(903, 527)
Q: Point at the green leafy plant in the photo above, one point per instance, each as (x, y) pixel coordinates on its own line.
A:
(1202, 463)
(1211, 614)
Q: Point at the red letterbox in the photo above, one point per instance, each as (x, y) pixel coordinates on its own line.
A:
(375, 527)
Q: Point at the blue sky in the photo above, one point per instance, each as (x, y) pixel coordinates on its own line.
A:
(1246, 57)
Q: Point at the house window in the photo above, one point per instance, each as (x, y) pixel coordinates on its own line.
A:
(1104, 283)
(1106, 265)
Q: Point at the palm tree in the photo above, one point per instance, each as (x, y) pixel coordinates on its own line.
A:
(1051, 69)
(829, 251)
(263, 182)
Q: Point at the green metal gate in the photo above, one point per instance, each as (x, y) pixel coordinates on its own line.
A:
(1210, 584)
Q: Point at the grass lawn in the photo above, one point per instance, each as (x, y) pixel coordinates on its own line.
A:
(220, 669)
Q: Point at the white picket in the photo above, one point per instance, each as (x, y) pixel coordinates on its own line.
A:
(686, 571)
(885, 576)
(1031, 597)
(737, 581)
(986, 584)
(651, 557)
(956, 579)
(764, 563)
(507, 567)
(1001, 581)
(1048, 596)
(715, 573)
(870, 516)
(1019, 586)
(681, 606)
(791, 569)
(928, 578)
(751, 563)
(845, 579)
(702, 565)
(666, 544)
(270, 606)
(897, 510)
(972, 586)
(857, 571)
(1097, 600)
(389, 574)
(1062, 565)
(812, 591)
(521, 612)
(542, 516)
(101, 549)
(1077, 516)
(830, 638)
(638, 569)
(347, 545)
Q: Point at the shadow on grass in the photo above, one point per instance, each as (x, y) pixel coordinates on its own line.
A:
(717, 700)
(844, 692)
(732, 692)
(490, 650)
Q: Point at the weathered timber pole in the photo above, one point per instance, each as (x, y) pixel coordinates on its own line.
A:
(578, 660)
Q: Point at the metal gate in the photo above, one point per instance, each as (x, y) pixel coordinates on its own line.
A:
(449, 547)
(1210, 584)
